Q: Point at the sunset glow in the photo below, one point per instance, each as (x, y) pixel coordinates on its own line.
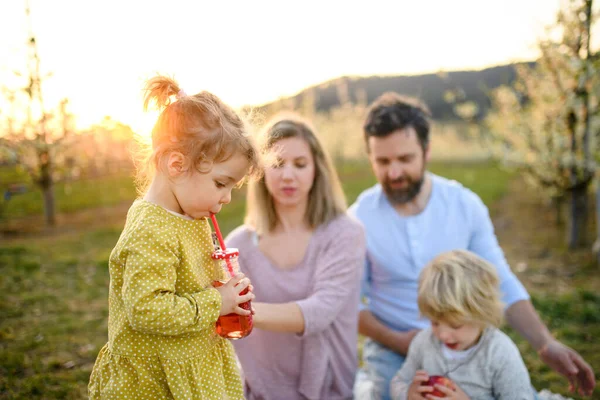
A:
(253, 52)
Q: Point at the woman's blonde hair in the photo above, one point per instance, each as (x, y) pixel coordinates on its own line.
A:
(459, 286)
(200, 126)
(326, 198)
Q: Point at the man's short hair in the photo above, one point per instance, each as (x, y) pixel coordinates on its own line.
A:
(391, 112)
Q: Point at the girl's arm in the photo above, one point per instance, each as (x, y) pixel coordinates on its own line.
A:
(338, 278)
(148, 290)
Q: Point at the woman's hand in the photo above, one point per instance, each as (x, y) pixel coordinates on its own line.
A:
(231, 298)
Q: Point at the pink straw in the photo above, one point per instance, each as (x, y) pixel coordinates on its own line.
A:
(218, 231)
(221, 242)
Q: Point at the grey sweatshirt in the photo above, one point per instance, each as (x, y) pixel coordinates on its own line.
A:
(494, 371)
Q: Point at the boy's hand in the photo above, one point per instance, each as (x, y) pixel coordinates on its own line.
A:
(416, 390)
(450, 393)
(231, 298)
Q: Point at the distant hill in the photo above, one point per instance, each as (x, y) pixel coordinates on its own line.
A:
(432, 89)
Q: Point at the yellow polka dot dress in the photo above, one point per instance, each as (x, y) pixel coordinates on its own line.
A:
(162, 342)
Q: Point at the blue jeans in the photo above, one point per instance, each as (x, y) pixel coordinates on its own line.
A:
(380, 364)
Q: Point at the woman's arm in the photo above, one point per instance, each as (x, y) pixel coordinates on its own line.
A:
(284, 317)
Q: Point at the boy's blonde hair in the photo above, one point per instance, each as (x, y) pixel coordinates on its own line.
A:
(200, 126)
(459, 286)
(326, 198)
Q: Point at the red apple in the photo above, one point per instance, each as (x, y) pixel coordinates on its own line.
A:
(439, 380)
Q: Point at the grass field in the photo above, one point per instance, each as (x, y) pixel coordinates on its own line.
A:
(54, 285)
(112, 190)
(70, 196)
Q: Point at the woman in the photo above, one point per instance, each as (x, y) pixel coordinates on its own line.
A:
(305, 257)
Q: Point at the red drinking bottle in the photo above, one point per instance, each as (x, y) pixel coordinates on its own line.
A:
(231, 326)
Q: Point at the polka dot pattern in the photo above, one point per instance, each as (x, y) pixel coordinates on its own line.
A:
(162, 342)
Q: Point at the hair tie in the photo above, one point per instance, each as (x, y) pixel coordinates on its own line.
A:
(181, 94)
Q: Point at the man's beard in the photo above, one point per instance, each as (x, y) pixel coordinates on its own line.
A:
(403, 196)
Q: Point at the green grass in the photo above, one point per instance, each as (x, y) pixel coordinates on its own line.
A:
(486, 179)
(53, 311)
(54, 290)
(70, 196)
(574, 319)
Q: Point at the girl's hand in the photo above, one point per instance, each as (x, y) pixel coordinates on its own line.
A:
(416, 390)
(251, 289)
(231, 298)
(454, 393)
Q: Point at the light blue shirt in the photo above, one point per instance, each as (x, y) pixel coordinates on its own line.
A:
(398, 247)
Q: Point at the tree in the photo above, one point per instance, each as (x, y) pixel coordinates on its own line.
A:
(547, 123)
(36, 139)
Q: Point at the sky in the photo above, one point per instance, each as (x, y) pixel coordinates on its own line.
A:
(250, 52)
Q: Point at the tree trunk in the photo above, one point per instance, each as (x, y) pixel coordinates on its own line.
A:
(558, 202)
(579, 196)
(578, 217)
(596, 247)
(49, 205)
(46, 183)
